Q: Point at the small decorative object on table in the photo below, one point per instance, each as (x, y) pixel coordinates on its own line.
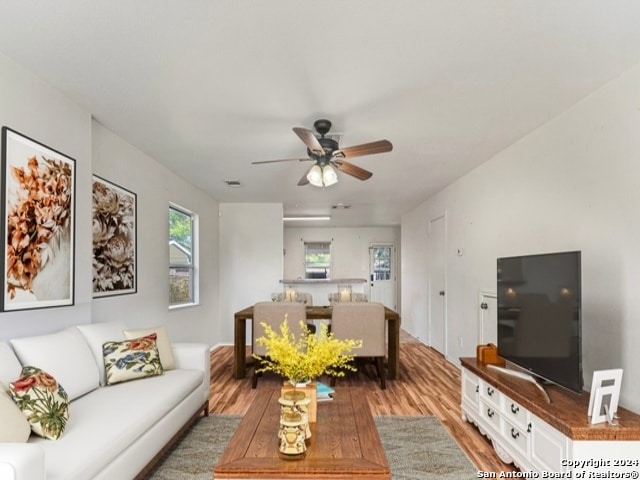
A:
(344, 293)
(488, 355)
(292, 435)
(307, 389)
(295, 401)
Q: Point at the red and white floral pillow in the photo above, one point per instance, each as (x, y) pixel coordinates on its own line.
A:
(42, 400)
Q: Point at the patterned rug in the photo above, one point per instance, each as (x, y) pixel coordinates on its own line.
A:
(418, 448)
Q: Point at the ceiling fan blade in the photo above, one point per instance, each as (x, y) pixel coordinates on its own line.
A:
(309, 139)
(380, 146)
(353, 170)
(282, 160)
(304, 180)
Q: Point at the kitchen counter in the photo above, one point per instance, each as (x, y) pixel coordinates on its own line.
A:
(322, 281)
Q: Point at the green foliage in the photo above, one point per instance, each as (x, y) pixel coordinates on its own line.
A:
(180, 228)
(179, 290)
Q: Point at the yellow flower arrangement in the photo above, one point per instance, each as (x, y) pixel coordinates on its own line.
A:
(307, 357)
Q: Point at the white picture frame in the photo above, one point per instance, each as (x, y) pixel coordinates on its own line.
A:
(605, 395)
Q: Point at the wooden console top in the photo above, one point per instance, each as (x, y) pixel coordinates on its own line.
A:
(567, 411)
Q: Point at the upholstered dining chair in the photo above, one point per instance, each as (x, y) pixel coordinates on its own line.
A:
(355, 297)
(273, 314)
(362, 321)
(304, 298)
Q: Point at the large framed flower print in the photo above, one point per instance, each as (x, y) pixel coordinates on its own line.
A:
(38, 224)
(114, 239)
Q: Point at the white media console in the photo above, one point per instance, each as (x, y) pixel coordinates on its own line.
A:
(538, 436)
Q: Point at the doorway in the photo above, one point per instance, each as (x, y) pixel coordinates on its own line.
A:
(437, 268)
(382, 274)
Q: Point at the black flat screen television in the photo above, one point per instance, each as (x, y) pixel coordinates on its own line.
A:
(539, 315)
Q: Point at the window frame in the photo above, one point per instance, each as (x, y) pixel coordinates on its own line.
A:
(193, 265)
(306, 263)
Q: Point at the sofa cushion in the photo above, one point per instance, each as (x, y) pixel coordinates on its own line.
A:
(10, 366)
(42, 400)
(65, 355)
(110, 419)
(15, 427)
(96, 334)
(131, 359)
(162, 341)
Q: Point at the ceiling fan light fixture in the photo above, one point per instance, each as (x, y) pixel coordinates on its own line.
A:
(315, 176)
(329, 176)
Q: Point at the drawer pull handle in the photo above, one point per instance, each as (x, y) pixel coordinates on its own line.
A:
(490, 413)
(514, 433)
(514, 409)
(490, 391)
(477, 388)
(529, 428)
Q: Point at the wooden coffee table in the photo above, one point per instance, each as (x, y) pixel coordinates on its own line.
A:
(344, 442)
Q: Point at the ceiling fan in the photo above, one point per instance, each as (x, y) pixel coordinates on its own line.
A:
(327, 154)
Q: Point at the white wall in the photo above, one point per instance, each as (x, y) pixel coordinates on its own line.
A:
(250, 258)
(36, 110)
(572, 184)
(349, 253)
(155, 186)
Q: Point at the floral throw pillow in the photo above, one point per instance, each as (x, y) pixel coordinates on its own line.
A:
(131, 359)
(43, 401)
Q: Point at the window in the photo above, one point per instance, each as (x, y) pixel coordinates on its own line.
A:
(381, 267)
(182, 262)
(317, 259)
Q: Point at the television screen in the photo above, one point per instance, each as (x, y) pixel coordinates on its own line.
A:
(539, 315)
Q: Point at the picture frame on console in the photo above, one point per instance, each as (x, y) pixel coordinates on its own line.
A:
(605, 394)
(38, 224)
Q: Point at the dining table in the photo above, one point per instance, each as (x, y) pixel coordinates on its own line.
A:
(245, 315)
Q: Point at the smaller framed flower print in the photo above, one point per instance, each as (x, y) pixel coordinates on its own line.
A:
(114, 239)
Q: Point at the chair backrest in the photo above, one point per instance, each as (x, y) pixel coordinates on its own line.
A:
(355, 297)
(360, 321)
(304, 298)
(273, 314)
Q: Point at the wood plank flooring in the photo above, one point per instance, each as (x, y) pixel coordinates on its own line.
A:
(428, 385)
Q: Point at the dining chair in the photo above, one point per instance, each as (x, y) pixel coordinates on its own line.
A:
(273, 314)
(304, 298)
(301, 297)
(355, 297)
(362, 321)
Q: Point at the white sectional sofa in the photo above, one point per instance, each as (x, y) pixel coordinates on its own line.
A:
(113, 431)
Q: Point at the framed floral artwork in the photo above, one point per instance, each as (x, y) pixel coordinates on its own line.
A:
(114, 239)
(38, 226)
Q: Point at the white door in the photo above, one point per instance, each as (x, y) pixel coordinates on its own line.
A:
(488, 327)
(437, 268)
(382, 275)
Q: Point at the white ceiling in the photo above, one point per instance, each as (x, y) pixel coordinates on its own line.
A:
(208, 86)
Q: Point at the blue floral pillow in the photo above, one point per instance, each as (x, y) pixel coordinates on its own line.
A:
(43, 401)
(131, 359)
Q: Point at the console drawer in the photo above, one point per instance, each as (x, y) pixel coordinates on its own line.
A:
(517, 437)
(490, 414)
(490, 395)
(515, 414)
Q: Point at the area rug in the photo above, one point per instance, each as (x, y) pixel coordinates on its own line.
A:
(417, 447)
